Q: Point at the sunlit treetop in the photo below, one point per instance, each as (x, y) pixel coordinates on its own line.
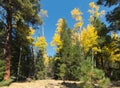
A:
(94, 11)
(76, 14)
(92, 5)
(57, 42)
(60, 25)
(41, 43)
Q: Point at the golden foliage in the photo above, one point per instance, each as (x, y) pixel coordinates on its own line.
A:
(78, 25)
(94, 12)
(57, 42)
(41, 43)
(27, 32)
(88, 37)
(112, 49)
(46, 59)
(31, 31)
(60, 25)
(76, 14)
(75, 37)
(29, 37)
(92, 5)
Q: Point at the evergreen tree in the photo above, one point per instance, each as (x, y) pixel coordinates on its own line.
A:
(39, 67)
(92, 78)
(113, 16)
(77, 58)
(13, 11)
(22, 51)
(66, 52)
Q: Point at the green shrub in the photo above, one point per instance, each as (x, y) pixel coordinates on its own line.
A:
(6, 82)
(40, 75)
(62, 71)
(92, 77)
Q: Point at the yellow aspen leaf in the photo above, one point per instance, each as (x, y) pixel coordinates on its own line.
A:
(75, 12)
(78, 25)
(92, 4)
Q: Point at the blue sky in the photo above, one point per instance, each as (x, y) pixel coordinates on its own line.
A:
(61, 9)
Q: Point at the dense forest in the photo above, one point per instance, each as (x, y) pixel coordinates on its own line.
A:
(88, 54)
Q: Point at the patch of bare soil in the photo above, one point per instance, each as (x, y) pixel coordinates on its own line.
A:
(36, 84)
(50, 84)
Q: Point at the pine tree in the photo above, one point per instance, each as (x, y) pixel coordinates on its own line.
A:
(17, 10)
(113, 16)
(39, 67)
(66, 53)
(90, 77)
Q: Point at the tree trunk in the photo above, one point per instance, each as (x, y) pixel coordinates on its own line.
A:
(43, 29)
(18, 72)
(8, 42)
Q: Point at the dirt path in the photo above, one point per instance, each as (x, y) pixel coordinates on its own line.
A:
(45, 84)
(37, 84)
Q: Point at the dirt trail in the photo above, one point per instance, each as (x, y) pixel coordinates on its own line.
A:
(37, 84)
(45, 84)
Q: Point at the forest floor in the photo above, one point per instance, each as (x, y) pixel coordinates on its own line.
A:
(51, 84)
